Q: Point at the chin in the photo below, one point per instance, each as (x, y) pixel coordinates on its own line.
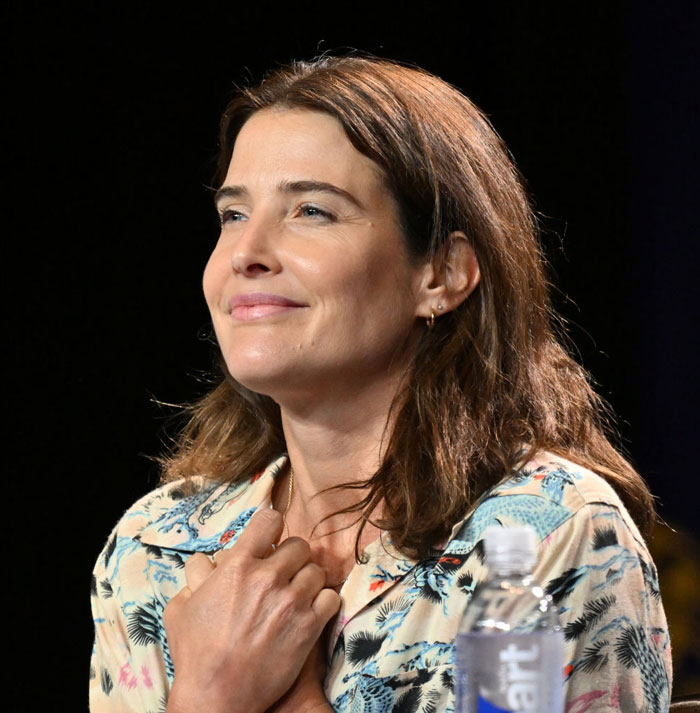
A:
(263, 376)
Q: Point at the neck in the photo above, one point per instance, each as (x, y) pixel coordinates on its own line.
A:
(332, 444)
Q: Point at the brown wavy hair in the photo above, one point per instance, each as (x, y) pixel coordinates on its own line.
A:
(492, 375)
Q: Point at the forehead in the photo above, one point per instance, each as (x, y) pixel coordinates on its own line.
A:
(300, 144)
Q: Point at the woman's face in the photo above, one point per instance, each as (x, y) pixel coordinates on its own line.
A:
(310, 288)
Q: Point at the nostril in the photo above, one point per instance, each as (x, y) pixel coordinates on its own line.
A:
(257, 269)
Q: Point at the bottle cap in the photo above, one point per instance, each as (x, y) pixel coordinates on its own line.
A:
(512, 549)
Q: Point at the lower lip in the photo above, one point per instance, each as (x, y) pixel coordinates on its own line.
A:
(246, 313)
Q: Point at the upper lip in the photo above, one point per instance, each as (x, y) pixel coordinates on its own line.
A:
(251, 299)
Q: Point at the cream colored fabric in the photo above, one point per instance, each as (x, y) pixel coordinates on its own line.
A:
(392, 645)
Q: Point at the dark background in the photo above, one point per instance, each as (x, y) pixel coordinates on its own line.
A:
(114, 112)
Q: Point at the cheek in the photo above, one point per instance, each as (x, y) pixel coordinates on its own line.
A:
(378, 295)
(213, 279)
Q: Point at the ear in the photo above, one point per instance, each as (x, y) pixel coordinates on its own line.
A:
(450, 278)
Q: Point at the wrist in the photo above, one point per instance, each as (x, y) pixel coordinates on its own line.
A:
(309, 700)
(181, 700)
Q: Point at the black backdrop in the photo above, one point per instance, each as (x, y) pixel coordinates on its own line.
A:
(114, 112)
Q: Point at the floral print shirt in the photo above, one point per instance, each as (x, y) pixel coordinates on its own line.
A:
(392, 647)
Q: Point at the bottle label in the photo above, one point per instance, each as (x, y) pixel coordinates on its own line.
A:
(510, 673)
(484, 706)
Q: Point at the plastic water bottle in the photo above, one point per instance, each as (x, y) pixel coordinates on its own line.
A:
(509, 652)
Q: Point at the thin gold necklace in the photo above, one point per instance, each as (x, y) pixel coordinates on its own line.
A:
(285, 532)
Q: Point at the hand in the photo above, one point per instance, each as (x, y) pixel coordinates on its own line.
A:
(240, 632)
(306, 695)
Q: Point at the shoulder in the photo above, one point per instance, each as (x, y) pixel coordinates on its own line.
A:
(162, 509)
(160, 503)
(193, 515)
(546, 492)
(595, 565)
(559, 480)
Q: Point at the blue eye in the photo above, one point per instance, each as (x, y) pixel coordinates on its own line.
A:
(230, 216)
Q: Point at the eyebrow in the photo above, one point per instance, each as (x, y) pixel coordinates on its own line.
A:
(289, 187)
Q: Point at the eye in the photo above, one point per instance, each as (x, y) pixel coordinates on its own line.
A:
(308, 210)
(230, 216)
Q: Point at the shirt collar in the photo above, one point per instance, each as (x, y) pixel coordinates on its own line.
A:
(212, 516)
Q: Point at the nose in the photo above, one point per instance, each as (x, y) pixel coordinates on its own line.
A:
(253, 252)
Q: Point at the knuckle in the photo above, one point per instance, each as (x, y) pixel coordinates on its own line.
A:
(264, 580)
(234, 568)
(288, 606)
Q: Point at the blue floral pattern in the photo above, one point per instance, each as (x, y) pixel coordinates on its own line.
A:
(392, 646)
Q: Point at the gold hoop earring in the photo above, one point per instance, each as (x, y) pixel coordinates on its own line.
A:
(430, 321)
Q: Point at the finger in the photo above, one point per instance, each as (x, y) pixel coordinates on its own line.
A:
(325, 605)
(309, 580)
(263, 531)
(290, 557)
(197, 568)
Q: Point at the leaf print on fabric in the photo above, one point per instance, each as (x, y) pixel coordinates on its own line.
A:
(106, 589)
(604, 537)
(395, 646)
(184, 491)
(363, 646)
(408, 701)
(109, 550)
(561, 586)
(388, 609)
(144, 623)
(425, 585)
(176, 559)
(106, 682)
(465, 582)
(368, 695)
(594, 657)
(416, 697)
(392, 614)
(633, 650)
(439, 576)
(431, 701)
(480, 551)
(651, 578)
(592, 612)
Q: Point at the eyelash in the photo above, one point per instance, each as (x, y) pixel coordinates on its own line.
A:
(224, 215)
(321, 214)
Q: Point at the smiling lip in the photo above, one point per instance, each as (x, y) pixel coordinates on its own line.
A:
(256, 305)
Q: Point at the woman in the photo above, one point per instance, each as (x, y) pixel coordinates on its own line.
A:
(392, 385)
